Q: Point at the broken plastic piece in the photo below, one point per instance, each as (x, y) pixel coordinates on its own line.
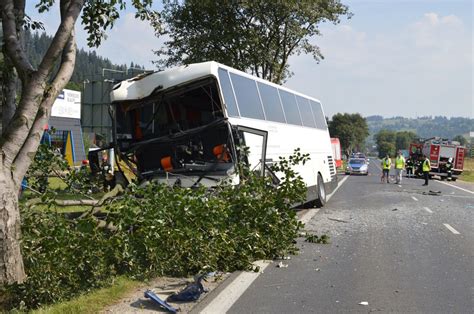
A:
(152, 296)
(364, 303)
(191, 292)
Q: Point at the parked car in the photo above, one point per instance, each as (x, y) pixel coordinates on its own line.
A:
(357, 166)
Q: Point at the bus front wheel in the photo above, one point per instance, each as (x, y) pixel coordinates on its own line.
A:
(321, 200)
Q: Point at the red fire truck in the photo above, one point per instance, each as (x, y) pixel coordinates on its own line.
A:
(336, 151)
(446, 157)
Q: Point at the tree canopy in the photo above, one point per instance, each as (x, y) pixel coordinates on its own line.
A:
(351, 129)
(252, 36)
(389, 142)
(40, 85)
(461, 139)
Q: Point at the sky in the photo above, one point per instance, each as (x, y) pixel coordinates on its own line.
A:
(392, 58)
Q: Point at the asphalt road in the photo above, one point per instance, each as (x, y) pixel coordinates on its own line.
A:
(391, 246)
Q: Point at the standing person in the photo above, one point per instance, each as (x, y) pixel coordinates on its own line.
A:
(409, 167)
(399, 166)
(426, 166)
(386, 164)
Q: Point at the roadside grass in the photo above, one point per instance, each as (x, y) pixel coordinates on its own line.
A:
(59, 187)
(96, 300)
(468, 173)
(56, 183)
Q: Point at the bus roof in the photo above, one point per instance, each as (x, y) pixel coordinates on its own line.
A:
(144, 85)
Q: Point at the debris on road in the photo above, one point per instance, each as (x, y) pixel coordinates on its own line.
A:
(152, 296)
(312, 238)
(435, 193)
(394, 209)
(364, 303)
(338, 220)
(281, 265)
(191, 292)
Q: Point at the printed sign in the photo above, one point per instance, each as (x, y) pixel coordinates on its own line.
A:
(67, 105)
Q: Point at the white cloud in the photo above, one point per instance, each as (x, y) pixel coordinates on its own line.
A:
(129, 40)
(425, 68)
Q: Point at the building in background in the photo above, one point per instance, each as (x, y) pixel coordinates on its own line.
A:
(65, 120)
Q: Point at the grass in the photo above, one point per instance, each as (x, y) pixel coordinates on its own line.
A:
(468, 173)
(56, 183)
(94, 301)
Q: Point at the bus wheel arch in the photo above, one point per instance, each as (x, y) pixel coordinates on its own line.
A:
(321, 198)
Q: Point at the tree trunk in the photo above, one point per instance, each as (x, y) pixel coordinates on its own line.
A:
(9, 80)
(11, 262)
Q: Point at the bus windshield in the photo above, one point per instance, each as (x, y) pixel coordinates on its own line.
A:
(169, 112)
(181, 130)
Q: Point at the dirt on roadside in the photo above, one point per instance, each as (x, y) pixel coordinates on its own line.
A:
(135, 301)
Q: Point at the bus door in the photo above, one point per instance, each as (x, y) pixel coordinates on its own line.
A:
(256, 142)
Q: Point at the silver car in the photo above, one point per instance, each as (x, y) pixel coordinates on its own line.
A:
(357, 166)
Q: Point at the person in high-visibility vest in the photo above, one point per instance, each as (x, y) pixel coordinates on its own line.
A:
(399, 166)
(386, 164)
(426, 166)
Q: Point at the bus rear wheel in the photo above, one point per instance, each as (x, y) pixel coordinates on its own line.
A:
(321, 200)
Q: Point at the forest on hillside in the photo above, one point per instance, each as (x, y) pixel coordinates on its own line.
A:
(424, 127)
(88, 64)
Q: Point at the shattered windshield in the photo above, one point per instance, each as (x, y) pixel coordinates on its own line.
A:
(179, 131)
(170, 112)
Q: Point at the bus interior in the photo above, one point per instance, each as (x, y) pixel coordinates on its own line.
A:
(181, 131)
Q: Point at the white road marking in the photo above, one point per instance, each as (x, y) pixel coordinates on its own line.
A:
(309, 215)
(337, 188)
(414, 198)
(428, 210)
(454, 186)
(451, 229)
(313, 211)
(227, 297)
(224, 301)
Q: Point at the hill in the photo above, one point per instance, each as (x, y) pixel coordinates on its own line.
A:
(425, 127)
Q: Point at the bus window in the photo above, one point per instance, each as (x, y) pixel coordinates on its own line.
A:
(306, 114)
(318, 115)
(291, 108)
(247, 97)
(169, 113)
(271, 103)
(228, 94)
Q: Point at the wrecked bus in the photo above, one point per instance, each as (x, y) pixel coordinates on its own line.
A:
(184, 126)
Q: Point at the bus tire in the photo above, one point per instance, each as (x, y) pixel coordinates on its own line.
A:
(321, 200)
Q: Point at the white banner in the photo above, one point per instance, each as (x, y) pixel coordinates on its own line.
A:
(67, 105)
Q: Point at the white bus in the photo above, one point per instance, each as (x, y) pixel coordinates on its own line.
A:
(183, 126)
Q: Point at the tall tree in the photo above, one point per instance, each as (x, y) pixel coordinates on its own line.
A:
(351, 129)
(403, 139)
(388, 142)
(39, 88)
(461, 139)
(253, 36)
(385, 140)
